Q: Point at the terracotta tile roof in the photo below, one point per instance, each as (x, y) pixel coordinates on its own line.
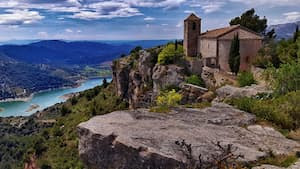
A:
(218, 32)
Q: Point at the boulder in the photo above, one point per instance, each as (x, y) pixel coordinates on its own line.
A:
(141, 139)
(166, 75)
(191, 93)
(228, 91)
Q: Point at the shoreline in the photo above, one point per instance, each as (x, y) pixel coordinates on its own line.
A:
(28, 98)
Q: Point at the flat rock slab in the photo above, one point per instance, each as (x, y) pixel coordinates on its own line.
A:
(141, 139)
(228, 91)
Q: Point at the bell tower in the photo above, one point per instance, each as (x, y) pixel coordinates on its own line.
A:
(192, 31)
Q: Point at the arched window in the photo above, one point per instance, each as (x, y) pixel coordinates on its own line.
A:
(194, 25)
(247, 59)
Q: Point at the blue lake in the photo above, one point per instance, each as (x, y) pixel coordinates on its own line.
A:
(43, 100)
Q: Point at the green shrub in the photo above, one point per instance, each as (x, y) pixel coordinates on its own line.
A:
(283, 111)
(166, 100)
(195, 80)
(169, 54)
(285, 79)
(246, 79)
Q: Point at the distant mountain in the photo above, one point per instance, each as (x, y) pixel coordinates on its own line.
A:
(19, 79)
(284, 30)
(64, 53)
(43, 65)
(57, 52)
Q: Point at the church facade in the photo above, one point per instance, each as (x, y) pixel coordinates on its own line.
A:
(213, 46)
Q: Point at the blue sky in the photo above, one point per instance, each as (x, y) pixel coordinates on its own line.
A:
(127, 19)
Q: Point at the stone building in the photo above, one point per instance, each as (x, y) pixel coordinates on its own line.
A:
(213, 46)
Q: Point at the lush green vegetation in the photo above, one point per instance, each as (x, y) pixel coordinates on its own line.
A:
(170, 53)
(245, 79)
(284, 79)
(234, 55)
(251, 21)
(167, 100)
(96, 71)
(283, 111)
(195, 80)
(57, 146)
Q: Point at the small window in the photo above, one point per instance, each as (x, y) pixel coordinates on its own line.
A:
(194, 25)
(247, 59)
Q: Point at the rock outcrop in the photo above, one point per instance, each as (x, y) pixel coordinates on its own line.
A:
(133, 78)
(238, 92)
(141, 139)
(192, 93)
(139, 79)
(166, 75)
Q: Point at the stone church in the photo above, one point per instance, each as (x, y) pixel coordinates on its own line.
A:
(213, 46)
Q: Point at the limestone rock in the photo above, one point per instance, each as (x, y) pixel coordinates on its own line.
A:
(191, 93)
(237, 92)
(141, 139)
(133, 79)
(166, 75)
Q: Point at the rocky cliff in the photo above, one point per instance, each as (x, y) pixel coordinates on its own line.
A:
(142, 139)
(183, 138)
(139, 79)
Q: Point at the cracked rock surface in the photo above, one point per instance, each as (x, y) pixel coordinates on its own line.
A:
(141, 139)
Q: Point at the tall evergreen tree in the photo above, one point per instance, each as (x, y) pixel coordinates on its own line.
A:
(234, 55)
(296, 34)
(251, 21)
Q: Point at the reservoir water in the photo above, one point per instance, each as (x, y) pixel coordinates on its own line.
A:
(43, 100)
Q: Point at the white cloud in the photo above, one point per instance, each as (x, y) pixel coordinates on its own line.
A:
(292, 16)
(164, 24)
(68, 30)
(19, 17)
(43, 34)
(166, 4)
(209, 6)
(179, 25)
(149, 18)
(212, 7)
(92, 9)
(270, 3)
(189, 11)
(79, 31)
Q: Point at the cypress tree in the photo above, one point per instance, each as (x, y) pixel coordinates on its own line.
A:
(234, 55)
(296, 34)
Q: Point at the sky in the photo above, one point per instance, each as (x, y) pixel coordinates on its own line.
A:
(127, 19)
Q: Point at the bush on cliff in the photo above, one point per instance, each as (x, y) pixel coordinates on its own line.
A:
(167, 100)
(283, 111)
(285, 79)
(170, 54)
(245, 79)
(195, 80)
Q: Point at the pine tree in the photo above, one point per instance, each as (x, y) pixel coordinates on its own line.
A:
(234, 55)
(104, 83)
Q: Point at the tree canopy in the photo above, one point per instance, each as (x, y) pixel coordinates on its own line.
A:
(251, 21)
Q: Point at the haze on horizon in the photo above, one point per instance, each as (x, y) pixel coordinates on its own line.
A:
(127, 19)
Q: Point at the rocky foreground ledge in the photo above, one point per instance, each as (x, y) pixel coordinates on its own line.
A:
(141, 139)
